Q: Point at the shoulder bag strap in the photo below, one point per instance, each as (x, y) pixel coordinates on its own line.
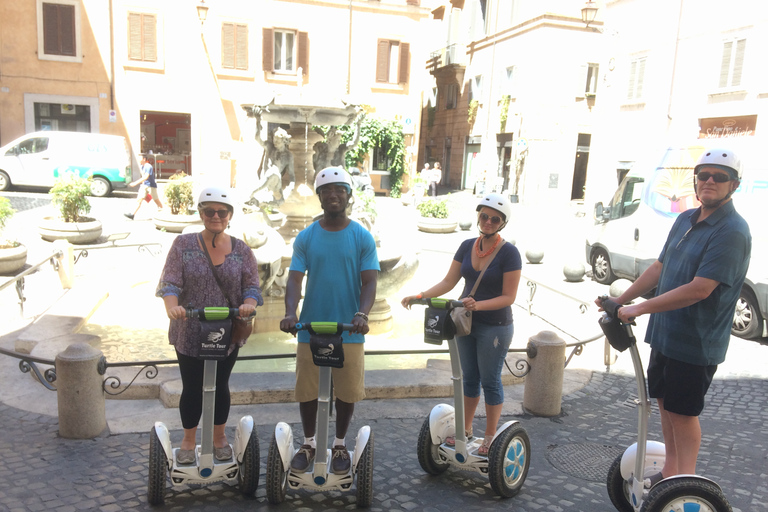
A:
(477, 283)
(213, 269)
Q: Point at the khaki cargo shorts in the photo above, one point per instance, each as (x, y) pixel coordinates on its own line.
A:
(348, 382)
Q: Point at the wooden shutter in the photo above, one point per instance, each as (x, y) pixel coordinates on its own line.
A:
(303, 52)
(59, 29)
(241, 46)
(640, 78)
(725, 64)
(149, 37)
(382, 61)
(134, 36)
(228, 45)
(581, 80)
(405, 52)
(631, 85)
(267, 49)
(738, 62)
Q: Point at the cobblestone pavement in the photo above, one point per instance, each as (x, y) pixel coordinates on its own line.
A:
(570, 457)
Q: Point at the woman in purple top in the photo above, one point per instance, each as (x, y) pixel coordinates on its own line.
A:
(188, 280)
(483, 351)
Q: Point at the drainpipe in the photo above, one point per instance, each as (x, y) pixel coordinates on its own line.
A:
(349, 49)
(674, 67)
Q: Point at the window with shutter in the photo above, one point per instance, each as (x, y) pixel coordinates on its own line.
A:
(636, 78)
(303, 52)
(142, 37)
(267, 40)
(284, 51)
(732, 63)
(234, 46)
(392, 61)
(59, 30)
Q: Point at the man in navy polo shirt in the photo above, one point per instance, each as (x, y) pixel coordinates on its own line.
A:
(698, 278)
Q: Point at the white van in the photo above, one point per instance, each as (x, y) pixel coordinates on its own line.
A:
(38, 158)
(630, 232)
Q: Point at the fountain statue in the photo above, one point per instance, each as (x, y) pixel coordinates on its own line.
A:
(287, 186)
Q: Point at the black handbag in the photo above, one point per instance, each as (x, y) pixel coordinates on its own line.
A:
(619, 334)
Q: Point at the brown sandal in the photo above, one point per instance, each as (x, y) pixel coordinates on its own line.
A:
(484, 448)
(451, 440)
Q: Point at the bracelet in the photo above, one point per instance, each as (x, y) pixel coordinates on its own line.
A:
(362, 315)
(420, 296)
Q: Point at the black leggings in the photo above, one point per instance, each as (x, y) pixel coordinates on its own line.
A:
(191, 402)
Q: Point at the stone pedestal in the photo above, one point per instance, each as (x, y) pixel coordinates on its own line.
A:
(82, 413)
(544, 383)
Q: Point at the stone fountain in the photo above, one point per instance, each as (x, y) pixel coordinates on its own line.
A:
(288, 163)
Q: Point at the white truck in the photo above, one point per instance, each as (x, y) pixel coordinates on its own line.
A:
(630, 231)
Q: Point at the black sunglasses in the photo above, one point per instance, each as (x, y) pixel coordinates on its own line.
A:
(494, 220)
(717, 176)
(210, 212)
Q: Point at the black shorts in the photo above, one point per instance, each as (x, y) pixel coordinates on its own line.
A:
(681, 385)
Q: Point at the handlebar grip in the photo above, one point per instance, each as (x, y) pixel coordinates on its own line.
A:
(436, 302)
(324, 327)
(214, 313)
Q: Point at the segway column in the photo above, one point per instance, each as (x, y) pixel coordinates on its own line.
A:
(82, 413)
(543, 393)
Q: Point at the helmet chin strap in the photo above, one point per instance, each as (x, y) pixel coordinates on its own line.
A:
(720, 202)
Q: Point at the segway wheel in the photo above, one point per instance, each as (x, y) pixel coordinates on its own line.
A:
(508, 461)
(158, 470)
(618, 488)
(277, 475)
(687, 493)
(365, 475)
(429, 455)
(249, 469)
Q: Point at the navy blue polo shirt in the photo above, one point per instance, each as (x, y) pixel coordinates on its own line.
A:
(716, 248)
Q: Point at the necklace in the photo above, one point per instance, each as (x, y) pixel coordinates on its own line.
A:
(489, 251)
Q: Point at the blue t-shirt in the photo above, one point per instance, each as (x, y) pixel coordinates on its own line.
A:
(148, 169)
(506, 260)
(717, 248)
(333, 261)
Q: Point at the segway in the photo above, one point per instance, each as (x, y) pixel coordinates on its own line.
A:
(245, 462)
(318, 477)
(627, 474)
(509, 455)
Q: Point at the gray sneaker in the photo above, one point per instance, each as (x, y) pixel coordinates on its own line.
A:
(340, 462)
(302, 459)
(185, 456)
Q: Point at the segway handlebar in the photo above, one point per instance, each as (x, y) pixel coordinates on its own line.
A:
(438, 303)
(214, 313)
(324, 327)
(612, 307)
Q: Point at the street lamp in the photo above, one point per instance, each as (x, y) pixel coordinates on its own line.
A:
(202, 11)
(589, 12)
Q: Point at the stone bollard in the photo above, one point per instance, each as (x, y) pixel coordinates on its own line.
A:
(543, 392)
(66, 263)
(82, 413)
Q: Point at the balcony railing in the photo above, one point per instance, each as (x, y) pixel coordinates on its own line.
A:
(451, 54)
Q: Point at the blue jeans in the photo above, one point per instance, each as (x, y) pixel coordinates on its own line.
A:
(482, 354)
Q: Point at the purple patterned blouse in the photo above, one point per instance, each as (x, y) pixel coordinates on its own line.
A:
(187, 274)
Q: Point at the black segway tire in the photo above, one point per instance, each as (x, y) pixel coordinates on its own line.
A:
(365, 475)
(509, 459)
(429, 457)
(679, 493)
(249, 469)
(277, 475)
(617, 487)
(158, 470)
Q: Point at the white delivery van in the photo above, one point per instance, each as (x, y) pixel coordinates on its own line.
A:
(630, 231)
(38, 158)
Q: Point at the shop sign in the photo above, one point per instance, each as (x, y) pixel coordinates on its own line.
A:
(722, 127)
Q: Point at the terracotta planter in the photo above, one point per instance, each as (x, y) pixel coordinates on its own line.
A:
(176, 223)
(84, 232)
(430, 225)
(12, 259)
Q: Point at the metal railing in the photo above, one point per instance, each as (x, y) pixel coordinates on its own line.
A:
(19, 279)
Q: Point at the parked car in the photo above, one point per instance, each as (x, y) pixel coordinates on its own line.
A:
(630, 231)
(38, 158)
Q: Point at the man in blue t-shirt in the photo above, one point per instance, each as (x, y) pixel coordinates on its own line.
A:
(341, 263)
(148, 188)
(698, 278)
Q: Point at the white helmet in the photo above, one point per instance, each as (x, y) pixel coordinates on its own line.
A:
(332, 175)
(724, 159)
(217, 195)
(498, 202)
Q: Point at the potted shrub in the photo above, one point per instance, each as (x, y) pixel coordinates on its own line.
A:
(13, 255)
(180, 205)
(434, 218)
(69, 196)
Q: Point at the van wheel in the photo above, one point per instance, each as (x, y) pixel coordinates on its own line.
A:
(100, 187)
(5, 181)
(601, 267)
(747, 320)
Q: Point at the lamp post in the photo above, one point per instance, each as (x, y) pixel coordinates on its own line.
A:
(202, 12)
(589, 12)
